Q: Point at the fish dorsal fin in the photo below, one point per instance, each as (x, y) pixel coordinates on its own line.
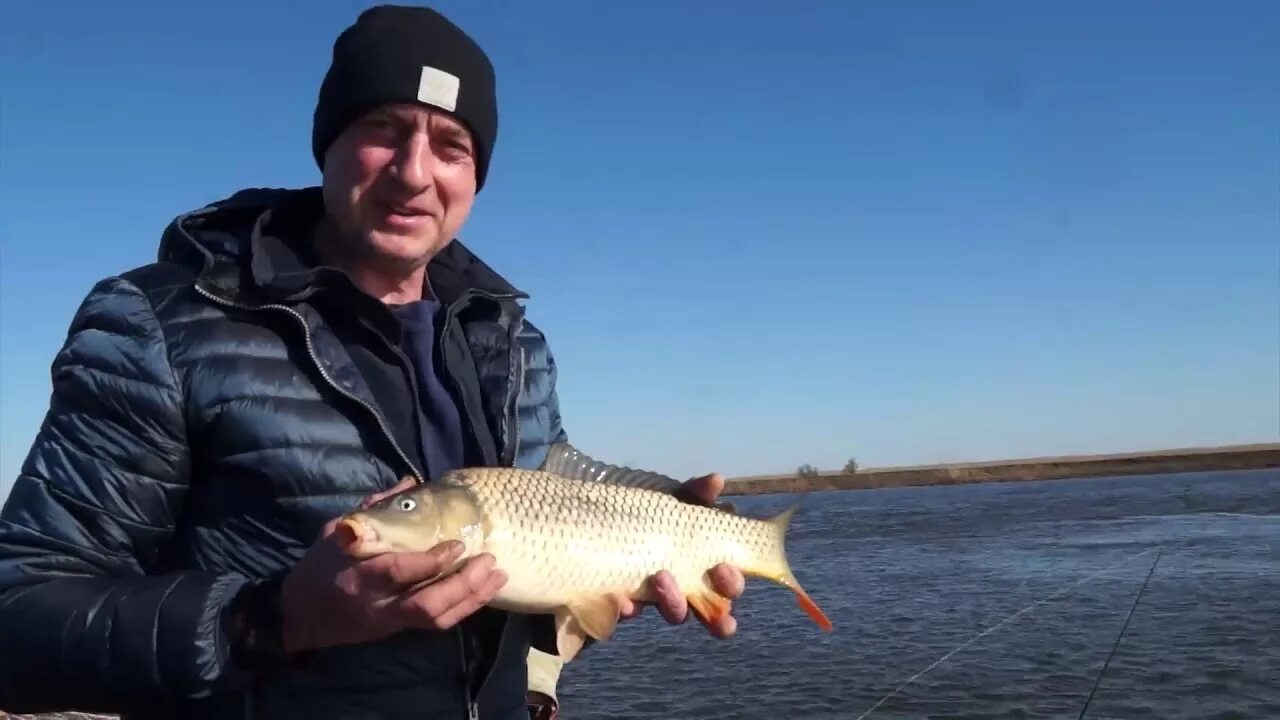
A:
(567, 461)
(587, 619)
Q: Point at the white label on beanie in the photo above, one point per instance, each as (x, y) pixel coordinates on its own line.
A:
(439, 88)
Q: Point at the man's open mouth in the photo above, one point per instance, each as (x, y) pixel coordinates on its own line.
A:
(405, 211)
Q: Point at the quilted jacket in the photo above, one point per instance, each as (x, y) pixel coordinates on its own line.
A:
(210, 412)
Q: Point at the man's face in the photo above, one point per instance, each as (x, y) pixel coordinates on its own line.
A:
(399, 183)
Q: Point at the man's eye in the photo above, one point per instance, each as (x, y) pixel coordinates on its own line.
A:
(457, 147)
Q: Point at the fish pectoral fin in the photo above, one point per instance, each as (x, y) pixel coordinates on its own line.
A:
(710, 607)
(597, 616)
(583, 621)
(570, 637)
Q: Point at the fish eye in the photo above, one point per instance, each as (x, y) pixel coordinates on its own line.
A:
(407, 504)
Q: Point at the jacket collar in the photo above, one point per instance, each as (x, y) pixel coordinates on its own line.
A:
(260, 237)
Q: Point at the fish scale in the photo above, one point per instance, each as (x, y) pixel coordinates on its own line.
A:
(610, 537)
(571, 546)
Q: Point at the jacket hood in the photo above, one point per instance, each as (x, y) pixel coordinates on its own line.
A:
(257, 237)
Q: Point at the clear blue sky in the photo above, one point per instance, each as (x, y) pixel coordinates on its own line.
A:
(757, 234)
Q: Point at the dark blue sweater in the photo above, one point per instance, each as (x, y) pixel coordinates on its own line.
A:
(440, 424)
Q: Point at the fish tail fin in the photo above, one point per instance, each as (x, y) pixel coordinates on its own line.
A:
(780, 569)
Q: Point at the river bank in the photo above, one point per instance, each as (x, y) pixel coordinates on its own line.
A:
(1158, 462)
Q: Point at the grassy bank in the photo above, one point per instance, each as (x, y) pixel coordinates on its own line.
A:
(1234, 457)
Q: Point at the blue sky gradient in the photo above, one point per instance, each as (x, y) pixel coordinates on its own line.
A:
(757, 234)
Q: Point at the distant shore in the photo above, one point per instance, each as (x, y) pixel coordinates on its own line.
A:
(1157, 462)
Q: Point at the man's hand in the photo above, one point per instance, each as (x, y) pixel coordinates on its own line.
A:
(726, 579)
(329, 598)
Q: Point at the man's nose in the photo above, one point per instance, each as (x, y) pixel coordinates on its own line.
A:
(414, 162)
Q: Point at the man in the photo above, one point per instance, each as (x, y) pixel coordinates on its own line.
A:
(166, 549)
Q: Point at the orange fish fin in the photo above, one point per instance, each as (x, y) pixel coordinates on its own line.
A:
(710, 606)
(807, 604)
(781, 572)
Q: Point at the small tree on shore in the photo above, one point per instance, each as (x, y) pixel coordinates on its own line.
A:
(807, 470)
(851, 467)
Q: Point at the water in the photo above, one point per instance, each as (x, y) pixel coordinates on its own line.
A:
(907, 575)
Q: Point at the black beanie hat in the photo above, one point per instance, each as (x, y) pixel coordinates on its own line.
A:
(407, 54)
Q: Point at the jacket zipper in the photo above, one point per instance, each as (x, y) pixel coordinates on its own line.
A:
(473, 701)
(473, 706)
(311, 351)
(512, 404)
(474, 710)
(515, 407)
(464, 412)
(448, 318)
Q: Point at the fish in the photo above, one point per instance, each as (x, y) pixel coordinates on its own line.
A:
(571, 547)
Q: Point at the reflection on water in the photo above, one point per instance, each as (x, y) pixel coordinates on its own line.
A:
(908, 575)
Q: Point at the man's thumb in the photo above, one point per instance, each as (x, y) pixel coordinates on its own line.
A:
(702, 490)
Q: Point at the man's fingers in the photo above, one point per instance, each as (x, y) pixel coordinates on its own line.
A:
(725, 579)
(670, 601)
(701, 490)
(403, 569)
(628, 609)
(728, 581)
(474, 584)
(473, 602)
(724, 627)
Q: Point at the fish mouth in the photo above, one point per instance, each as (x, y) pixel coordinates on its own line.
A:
(355, 537)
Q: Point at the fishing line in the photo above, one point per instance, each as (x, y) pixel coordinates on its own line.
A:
(1123, 628)
(1003, 622)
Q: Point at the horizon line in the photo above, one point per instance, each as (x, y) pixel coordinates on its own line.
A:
(1045, 459)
